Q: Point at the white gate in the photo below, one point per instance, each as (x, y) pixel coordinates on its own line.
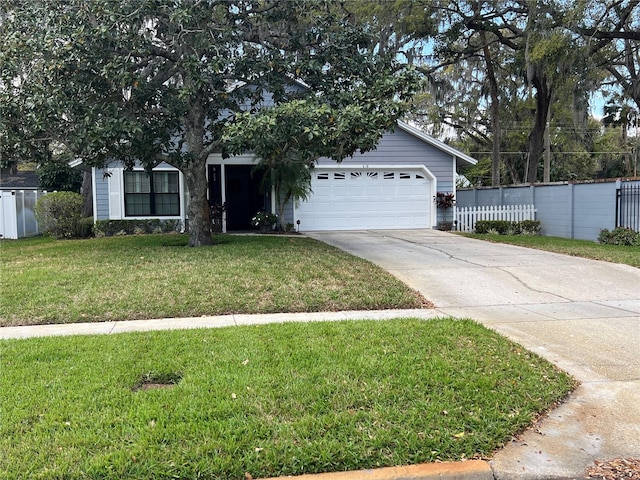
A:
(17, 218)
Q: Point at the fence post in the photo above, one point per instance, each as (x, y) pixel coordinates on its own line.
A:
(571, 209)
(23, 215)
(618, 197)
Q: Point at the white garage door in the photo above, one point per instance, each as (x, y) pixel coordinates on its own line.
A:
(355, 199)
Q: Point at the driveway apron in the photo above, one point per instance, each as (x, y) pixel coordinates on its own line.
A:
(582, 315)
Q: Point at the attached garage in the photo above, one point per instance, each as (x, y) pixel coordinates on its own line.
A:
(359, 197)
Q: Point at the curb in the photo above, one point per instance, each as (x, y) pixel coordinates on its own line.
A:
(468, 470)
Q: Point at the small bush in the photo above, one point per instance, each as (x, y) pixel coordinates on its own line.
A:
(530, 227)
(85, 227)
(110, 228)
(619, 236)
(485, 226)
(505, 227)
(59, 214)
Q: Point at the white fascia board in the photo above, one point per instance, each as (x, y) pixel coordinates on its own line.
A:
(241, 83)
(244, 159)
(76, 162)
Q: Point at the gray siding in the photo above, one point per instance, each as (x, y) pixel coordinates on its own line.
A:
(267, 98)
(403, 148)
(101, 189)
(288, 213)
(569, 210)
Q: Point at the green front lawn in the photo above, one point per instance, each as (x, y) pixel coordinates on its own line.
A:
(267, 400)
(155, 276)
(577, 248)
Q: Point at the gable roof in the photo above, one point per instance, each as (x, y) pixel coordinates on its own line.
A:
(461, 158)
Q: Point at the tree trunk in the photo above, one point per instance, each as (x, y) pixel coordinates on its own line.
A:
(512, 170)
(536, 137)
(87, 193)
(194, 168)
(627, 154)
(199, 213)
(495, 113)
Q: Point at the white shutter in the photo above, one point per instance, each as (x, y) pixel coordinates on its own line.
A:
(116, 194)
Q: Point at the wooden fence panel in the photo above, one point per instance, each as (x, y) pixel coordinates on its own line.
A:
(468, 216)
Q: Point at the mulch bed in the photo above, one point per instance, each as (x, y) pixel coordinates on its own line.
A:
(616, 469)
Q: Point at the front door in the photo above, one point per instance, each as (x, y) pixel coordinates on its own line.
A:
(243, 196)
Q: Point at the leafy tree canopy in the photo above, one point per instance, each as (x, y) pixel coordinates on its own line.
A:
(162, 80)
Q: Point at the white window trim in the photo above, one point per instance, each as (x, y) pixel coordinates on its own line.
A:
(181, 216)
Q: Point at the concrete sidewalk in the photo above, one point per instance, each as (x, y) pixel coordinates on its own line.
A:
(188, 323)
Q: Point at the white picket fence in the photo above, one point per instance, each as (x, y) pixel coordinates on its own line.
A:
(17, 219)
(468, 216)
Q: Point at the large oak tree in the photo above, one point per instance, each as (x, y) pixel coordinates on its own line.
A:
(163, 80)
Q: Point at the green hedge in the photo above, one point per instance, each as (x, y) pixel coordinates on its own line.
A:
(59, 214)
(110, 228)
(505, 227)
(619, 236)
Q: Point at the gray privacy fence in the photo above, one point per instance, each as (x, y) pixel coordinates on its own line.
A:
(570, 210)
(17, 219)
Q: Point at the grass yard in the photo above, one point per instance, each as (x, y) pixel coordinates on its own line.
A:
(577, 248)
(156, 276)
(269, 400)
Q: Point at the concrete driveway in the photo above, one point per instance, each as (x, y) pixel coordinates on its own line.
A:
(582, 315)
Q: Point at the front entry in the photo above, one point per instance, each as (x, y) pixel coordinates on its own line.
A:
(242, 194)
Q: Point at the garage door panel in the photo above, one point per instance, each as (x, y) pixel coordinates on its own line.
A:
(367, 198)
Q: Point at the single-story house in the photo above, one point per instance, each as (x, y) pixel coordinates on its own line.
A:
(393, 186)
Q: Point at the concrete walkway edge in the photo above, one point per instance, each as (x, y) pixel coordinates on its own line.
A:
(103, 328)
(469, 470)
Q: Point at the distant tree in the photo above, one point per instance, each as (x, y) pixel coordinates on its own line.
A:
(494, 58)
(56, 174)
(621, 117)
(611, 33)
